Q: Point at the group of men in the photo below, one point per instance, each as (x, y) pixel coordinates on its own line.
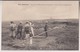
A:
(21, 31)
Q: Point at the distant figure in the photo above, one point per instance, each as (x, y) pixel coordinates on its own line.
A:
(12, 29)
(19, 31)
(45, 29)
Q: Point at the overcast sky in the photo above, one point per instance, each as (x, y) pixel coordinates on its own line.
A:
(26, 10)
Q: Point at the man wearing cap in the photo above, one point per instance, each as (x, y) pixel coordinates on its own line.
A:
(19, 31)
(45, 29)
(12, 29)
(27, 29)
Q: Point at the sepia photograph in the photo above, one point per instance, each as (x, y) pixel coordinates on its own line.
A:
(40, 25)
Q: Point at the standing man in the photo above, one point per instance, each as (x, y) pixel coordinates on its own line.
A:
(27, 30)
(45, 29)
(31, 33)
(12, 29)
(31, 27)
(19, 31)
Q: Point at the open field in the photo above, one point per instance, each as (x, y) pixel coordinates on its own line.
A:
(64, 36)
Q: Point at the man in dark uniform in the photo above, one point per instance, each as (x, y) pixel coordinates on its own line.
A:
(45, 29)
(19, 31)
(27, 29)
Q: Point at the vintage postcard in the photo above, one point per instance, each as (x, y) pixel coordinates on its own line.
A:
(40, 25)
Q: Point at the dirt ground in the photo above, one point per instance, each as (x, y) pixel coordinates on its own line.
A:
(62, 37)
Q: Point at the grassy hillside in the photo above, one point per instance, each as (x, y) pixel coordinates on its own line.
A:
(65, 37)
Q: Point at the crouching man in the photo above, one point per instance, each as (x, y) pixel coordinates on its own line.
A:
(12, 29)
